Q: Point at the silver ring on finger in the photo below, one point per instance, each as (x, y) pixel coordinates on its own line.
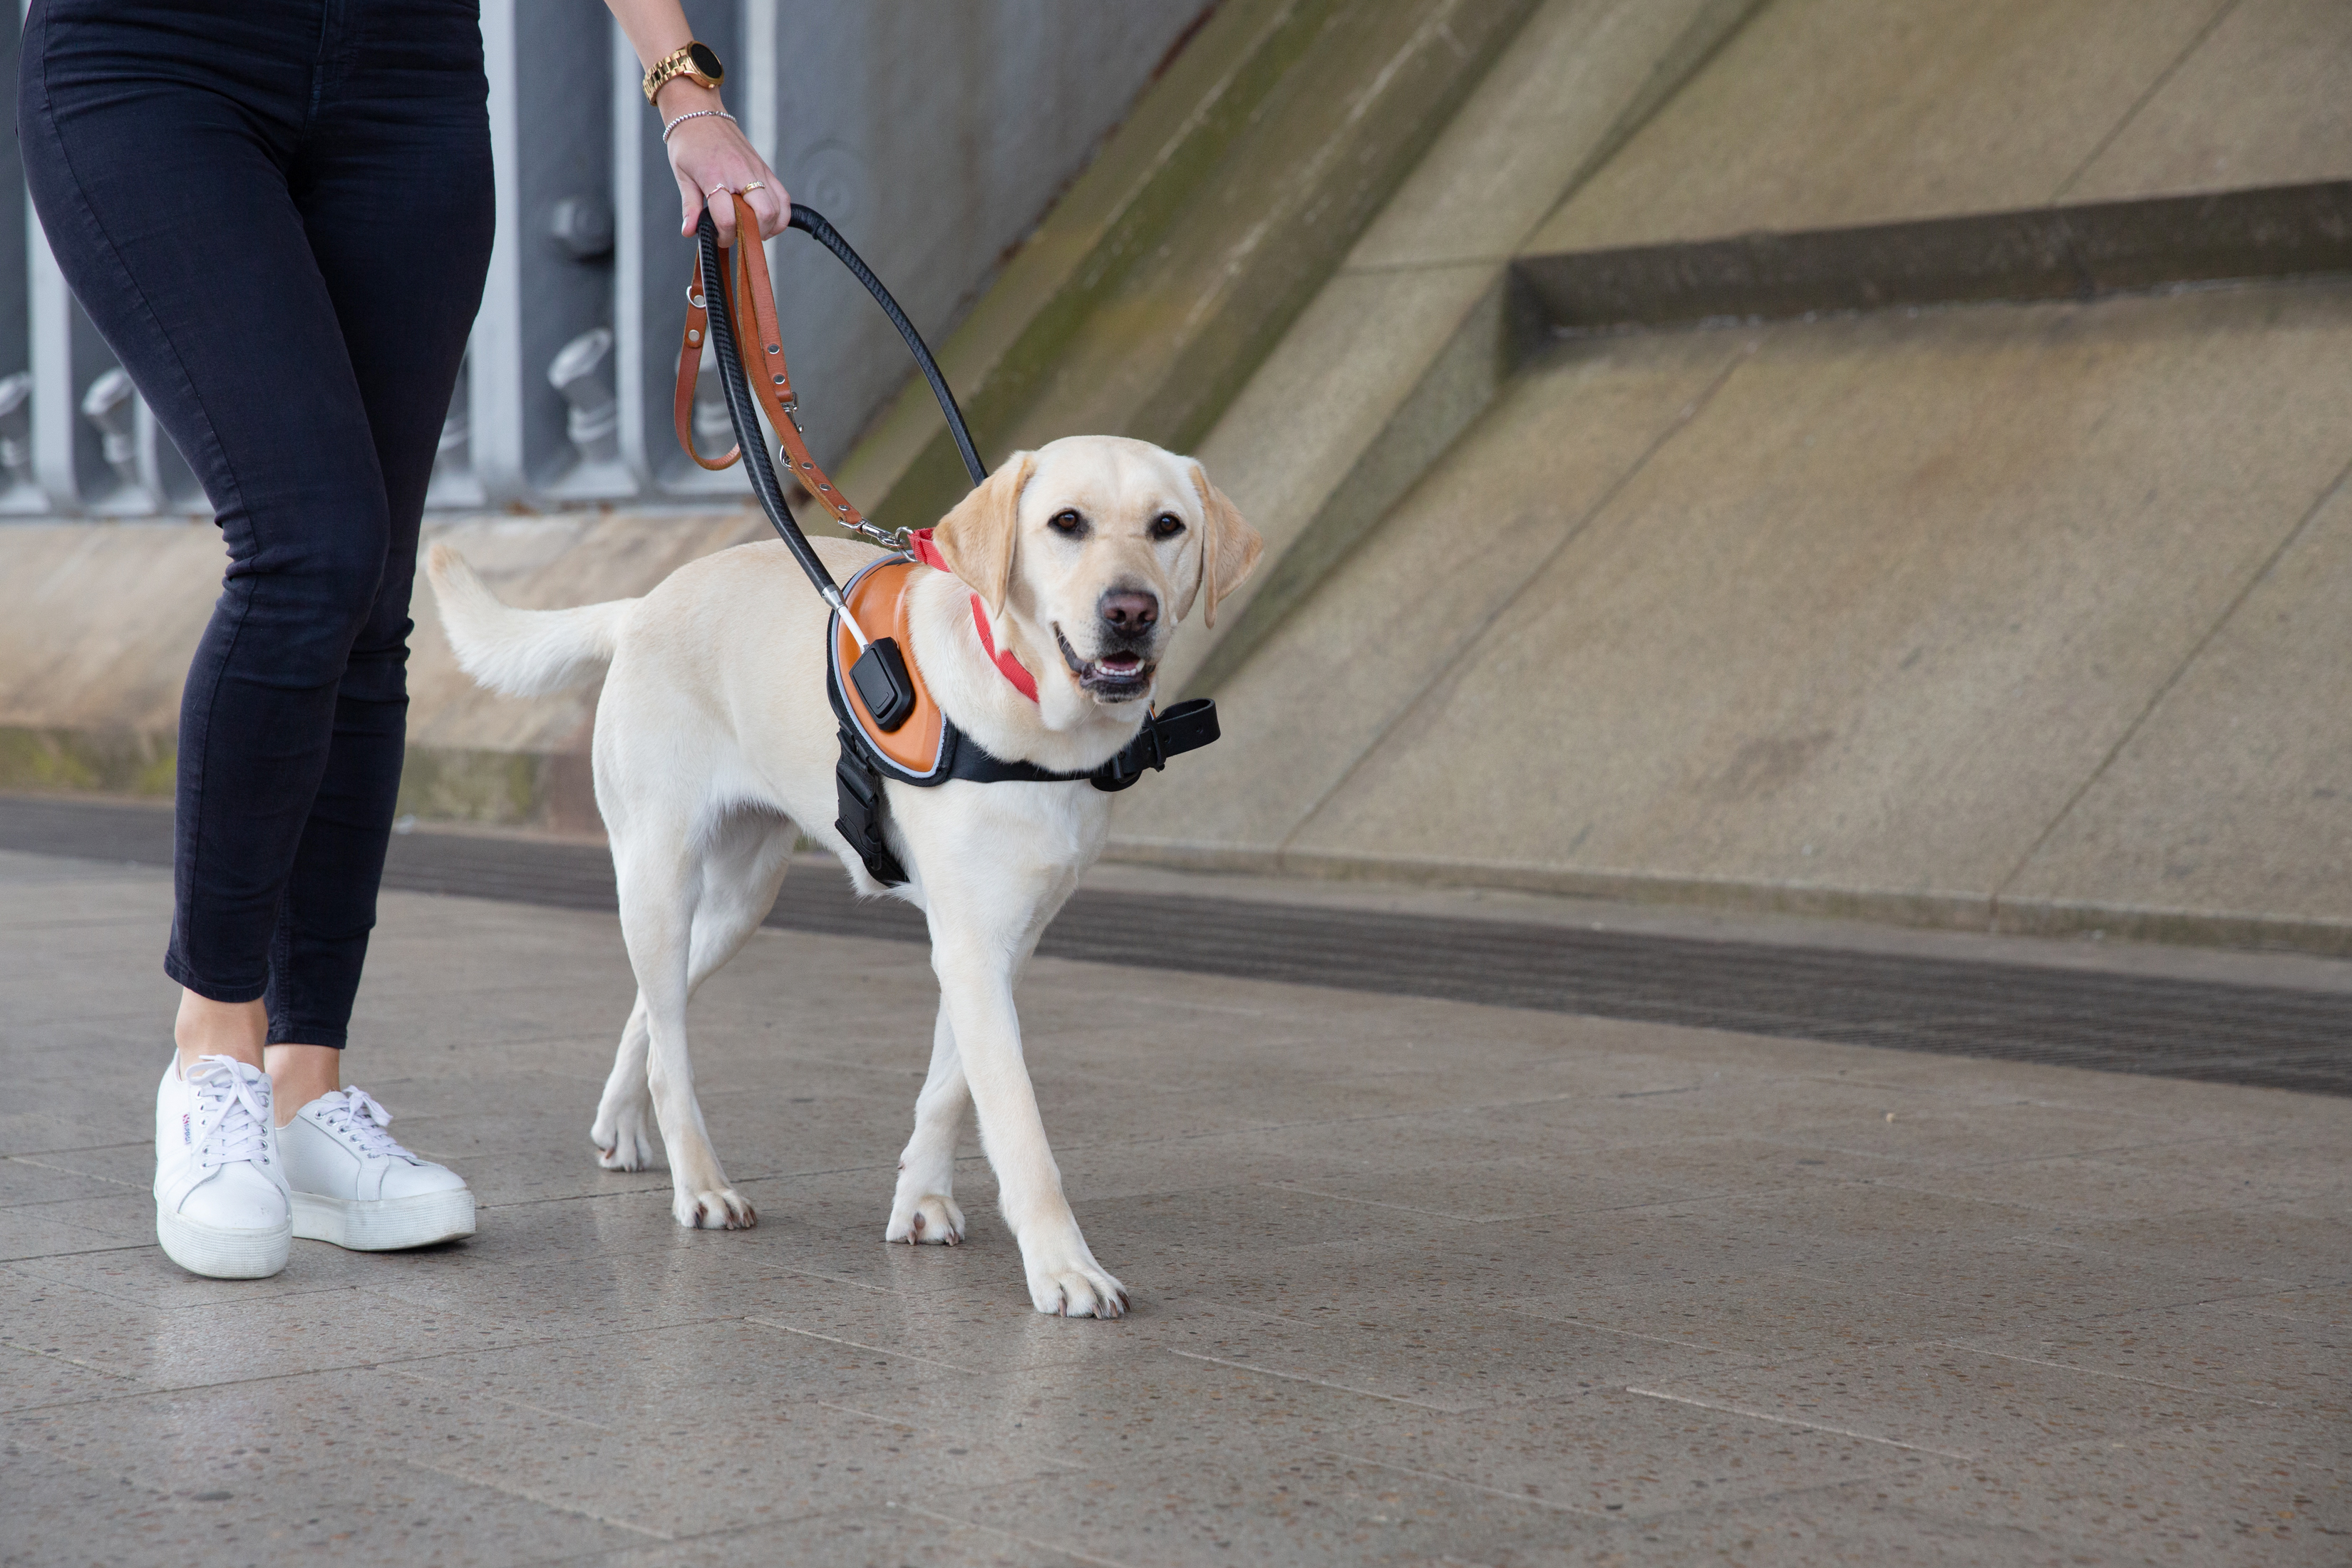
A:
(716, 189)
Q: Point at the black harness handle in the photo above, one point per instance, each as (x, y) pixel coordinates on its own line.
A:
(810, 222)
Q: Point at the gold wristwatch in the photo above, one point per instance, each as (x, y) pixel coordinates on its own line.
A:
(698, 62)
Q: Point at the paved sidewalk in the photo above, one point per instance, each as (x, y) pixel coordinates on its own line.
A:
(1416, 1280)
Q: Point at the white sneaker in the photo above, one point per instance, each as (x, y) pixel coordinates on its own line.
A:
(354, 1185)
(221, 1205)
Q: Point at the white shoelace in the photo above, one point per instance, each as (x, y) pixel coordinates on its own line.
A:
(232, 1116)
(356, 1112)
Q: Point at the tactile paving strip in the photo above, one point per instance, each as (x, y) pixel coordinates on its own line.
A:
(2265, 1036)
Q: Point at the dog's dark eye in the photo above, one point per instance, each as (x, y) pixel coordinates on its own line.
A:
(1067, 523)
(1167, 525)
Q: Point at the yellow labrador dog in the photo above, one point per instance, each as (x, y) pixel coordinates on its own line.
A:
(714, 739)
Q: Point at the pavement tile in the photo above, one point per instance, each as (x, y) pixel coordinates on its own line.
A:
(1786, 1312)
(2254, 1489)
(1441, 1360)
(2295, 1364)
(1296, 1508)
(30, 1379)
(1141, 1402)
(186, 1477)
(1944, 1399)
(1530, 1187)
(1851, 1523)
(696, 1426)
(225, 1339)
(2269, 1243)
(1607, 1451)
(891, 1534)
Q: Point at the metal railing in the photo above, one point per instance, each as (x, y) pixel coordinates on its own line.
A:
(564, 399)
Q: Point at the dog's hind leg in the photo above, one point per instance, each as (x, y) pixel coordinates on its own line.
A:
(623, 1130)
(741, 873)
(924, 1208)
(686, 908)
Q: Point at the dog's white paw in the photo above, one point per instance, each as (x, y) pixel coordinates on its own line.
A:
(932, 1218)
(1065, 1281)
(624, 1142)
(724, 1210)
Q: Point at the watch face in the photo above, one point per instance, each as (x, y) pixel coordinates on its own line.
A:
(705, 62)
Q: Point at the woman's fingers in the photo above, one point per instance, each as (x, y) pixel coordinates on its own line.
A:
(773, 205)
(711, 158)
(713, 195)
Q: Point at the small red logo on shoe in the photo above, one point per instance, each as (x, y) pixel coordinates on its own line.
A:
(184, 1126)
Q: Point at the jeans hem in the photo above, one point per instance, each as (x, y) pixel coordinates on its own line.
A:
(294, 1032)
(206, 989)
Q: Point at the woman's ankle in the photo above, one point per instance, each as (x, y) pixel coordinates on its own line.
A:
(208, 1028)
(299, 1075)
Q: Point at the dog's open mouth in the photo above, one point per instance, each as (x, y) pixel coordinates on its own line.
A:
(1118, 677)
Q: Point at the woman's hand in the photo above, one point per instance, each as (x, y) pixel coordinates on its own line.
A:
(711, 157)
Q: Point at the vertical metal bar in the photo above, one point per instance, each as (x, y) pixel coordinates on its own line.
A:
(630, 348)
(762, 107)
(57, 412)
(494, 386)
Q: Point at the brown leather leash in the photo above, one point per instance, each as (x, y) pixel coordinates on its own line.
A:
(754, 302)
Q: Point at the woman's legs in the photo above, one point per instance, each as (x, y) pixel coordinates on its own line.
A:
(278, 214)
(286, 254)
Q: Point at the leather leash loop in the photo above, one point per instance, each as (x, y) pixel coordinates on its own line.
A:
(753, 301)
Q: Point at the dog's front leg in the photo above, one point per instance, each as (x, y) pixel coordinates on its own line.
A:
(976, 990)
(924, 1208)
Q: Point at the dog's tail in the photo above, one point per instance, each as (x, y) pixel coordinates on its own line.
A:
(523, 653)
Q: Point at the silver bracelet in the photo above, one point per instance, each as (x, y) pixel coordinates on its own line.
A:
(694, 114)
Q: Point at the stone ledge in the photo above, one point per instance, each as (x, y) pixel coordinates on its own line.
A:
(2041, 253)
(550, 790)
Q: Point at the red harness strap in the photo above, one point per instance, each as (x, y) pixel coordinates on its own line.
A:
(1012, 668)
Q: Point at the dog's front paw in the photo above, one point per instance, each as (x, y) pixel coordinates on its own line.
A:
(1065, 1281)
(932, 1217)
(624, 1143)
(724, 1210)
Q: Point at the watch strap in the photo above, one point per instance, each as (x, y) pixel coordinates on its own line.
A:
(677, 62)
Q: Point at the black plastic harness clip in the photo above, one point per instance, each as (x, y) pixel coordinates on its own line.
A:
(883, 684)
(1186, 727)
(857, 790)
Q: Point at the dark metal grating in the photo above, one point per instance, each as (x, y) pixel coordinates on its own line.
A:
(2265, 1035)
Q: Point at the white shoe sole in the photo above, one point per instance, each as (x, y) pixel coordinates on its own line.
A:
(220, 1254)
(384, 1225)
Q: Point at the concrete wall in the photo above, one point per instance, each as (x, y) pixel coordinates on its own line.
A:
(1911, 615)
(2007, 614)
(935, 133)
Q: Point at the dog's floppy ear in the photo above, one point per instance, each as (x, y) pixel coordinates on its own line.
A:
(976, 539)
(1229, 550)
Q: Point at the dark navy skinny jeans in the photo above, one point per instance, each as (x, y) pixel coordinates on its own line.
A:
(278, 214)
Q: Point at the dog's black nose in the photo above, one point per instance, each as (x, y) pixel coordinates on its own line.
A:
(1128, 612)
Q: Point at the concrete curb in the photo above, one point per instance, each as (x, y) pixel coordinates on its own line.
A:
(1927, 910)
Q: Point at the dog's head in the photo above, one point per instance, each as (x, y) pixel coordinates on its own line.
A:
(1095, 547)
